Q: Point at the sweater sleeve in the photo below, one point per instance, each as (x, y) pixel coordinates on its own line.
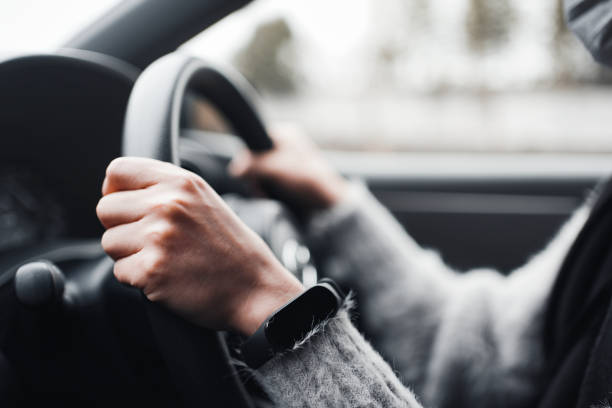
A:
(333, 367)
(470, 339)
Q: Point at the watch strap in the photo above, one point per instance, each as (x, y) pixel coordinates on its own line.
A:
(259, 347)
(256, 350)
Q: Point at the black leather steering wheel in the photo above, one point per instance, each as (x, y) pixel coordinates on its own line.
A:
(152, 126)
(153, 114)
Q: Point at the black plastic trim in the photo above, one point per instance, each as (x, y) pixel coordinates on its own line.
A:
(141, 31)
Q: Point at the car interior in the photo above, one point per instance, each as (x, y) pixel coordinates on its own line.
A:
(70, 334)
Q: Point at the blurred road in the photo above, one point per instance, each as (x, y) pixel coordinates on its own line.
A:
(567, 120)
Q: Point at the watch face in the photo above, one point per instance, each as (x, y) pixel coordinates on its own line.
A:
(291, 323)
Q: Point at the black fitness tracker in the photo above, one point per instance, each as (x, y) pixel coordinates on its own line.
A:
(292, 322)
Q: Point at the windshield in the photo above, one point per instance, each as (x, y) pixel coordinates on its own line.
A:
(420, 75)
(43, 25)
(411, 75)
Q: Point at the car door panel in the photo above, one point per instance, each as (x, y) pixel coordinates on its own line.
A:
(478, 215)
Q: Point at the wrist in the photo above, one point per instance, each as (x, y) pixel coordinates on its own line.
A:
(278, 288)
(333, 191)
(292, 322)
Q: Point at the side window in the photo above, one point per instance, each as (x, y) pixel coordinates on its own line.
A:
(420, 75)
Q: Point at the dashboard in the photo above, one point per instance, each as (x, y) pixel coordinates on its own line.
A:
(29, 213)
(60, 123)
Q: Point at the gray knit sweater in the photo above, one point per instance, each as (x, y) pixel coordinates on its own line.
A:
(451, 339)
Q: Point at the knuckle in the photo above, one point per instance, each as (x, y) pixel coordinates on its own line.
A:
(172, 208)
(144, 279)
(190, 183)
(153, 264)
(162, 234)
(100, 209)
(150, 275)
(105, 211)
(106, 241)
(120, 274)
(138, 280)
(186, 184)
(155, 237)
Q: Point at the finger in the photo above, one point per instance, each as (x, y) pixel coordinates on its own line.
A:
(240, 164)
(123, 207)
(131, 173)
(123, 240)
(262, 165)
(104, 185)
(286, 133)
(129, 270)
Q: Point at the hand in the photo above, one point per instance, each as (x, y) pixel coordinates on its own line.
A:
(172, 236)
(296, 166)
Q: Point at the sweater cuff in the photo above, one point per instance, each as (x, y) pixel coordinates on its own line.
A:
(334, 366)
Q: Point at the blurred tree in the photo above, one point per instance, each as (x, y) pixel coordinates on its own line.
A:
(488, 24)
(561, 32)
(266, 60)
(562, 42)
(398, 27)
(419, 15)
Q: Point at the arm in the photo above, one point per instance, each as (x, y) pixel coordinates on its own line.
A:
(432, 322)
(457, 340)
(474, 335)
(174, 238)
(478, 347)
(333, 367)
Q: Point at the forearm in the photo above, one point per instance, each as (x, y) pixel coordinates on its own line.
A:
(427, 318)
(403, 289)
(364, 246)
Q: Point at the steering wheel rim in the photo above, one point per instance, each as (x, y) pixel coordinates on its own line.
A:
(151, 129)
(152, 122)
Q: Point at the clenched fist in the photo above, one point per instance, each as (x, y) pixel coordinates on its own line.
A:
(173, 237)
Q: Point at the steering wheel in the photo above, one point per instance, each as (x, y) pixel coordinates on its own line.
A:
(152, 122)
(152, 127)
